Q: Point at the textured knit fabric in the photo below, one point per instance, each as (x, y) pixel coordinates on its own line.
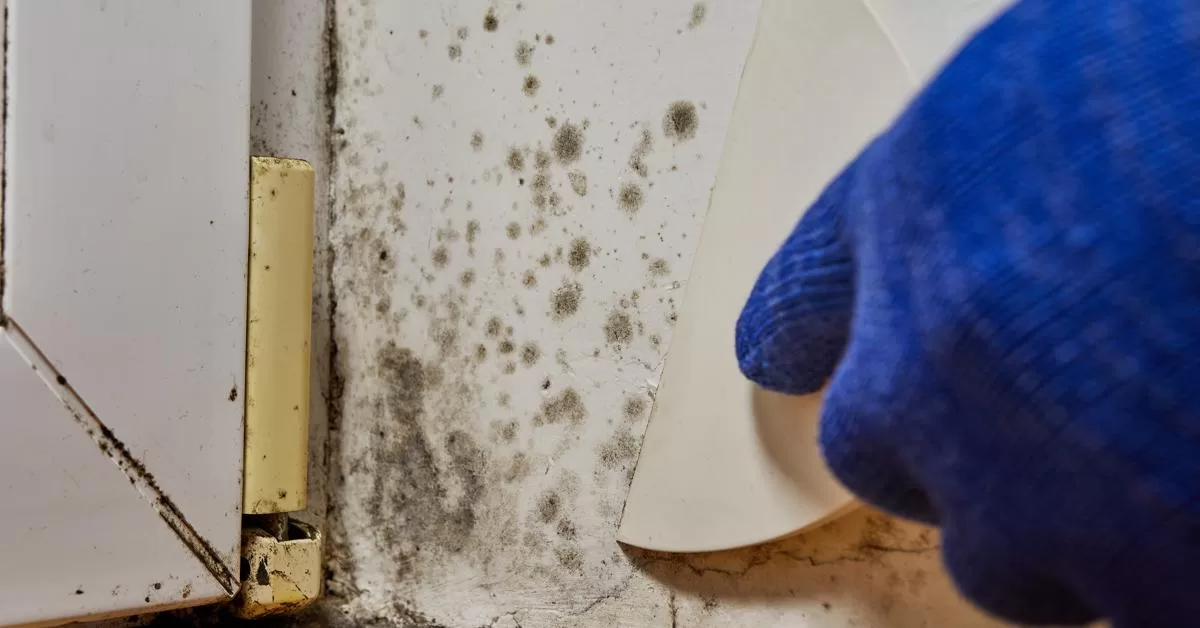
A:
(1002, 293)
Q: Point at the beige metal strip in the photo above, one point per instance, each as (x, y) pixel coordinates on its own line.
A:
(278, 335)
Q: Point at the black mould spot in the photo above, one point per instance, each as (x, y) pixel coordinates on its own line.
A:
(515, 160)
(681, 121)
(441, 257)
(568, 143)
(578, 181)
(548, 506)
(566, 529)
(422, 33)
(411, 502)
(530, 85)
(618, 329)
(78, 591)
(481, 352)
(233, 392)
(637, 159)
(549, 39)
(506, 347)
(513, 230)
(530, 354)
(629, 198)
(462, 32)
(397, 200)
(454, 51)
(580, 254)
(438, 90)
(490, 21)
(472, 231)
(551, 121)
(565, 300)
(699, 11)
(494, 327)
(570, 558)
(621, 449)
(62, 381)
(467, 278)
(524, 53)
(566, 406)
(634, 408)
(477, 141)
(529, 280)
(157, 586)
(659, 267)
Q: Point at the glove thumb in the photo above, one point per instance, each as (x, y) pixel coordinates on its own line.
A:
(795, 325)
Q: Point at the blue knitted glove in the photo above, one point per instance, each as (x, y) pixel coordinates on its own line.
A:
(1003, 295)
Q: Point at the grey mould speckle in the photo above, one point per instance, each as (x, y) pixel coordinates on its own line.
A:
(565, 300)
(699, 12)
(524, 53)
(629, 198)
(578, 181)
(618, 330)
(531, 85)
(568, 143)
(579, 255)
(681, 121)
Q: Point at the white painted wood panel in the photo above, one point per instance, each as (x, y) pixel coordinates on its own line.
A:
(126, 227)
(75, 537)
(125, 244)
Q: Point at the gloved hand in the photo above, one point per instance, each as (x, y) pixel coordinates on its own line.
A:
(1002, 293)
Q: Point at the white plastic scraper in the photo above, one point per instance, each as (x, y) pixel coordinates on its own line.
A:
(724, 465)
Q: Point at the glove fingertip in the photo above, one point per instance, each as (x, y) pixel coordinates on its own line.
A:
(796, 358)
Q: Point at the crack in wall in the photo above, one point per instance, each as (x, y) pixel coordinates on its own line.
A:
(871, 551)
(3, 156)
(337, 579)
(133, 468)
